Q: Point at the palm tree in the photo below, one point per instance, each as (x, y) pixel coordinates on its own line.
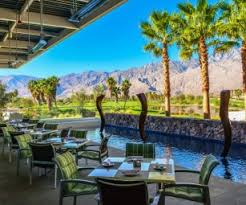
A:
(195, 30)
(111, 83)
(116, 92)
(98, 90)
(234, 27)
(33, 88)
(158, 31)
(54, 83)
(47, 90)
(125, 87)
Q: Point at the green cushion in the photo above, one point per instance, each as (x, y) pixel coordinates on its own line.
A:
(83, 188)
(189, 193)
(78, 133)
(68, 168)
(145, 150)
(23, 142)
(208, 165)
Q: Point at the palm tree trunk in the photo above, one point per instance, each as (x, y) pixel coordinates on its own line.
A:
(243, 55)
(203, 58)
(49, 102)
(167, 89)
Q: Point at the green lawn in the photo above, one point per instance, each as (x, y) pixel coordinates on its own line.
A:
(181, 107)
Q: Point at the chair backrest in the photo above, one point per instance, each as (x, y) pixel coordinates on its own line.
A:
(64, 132)
(50, 126)
(33, 121)
(147, 150)
(2, 124)
(114, 192)
(104, 146)
(42, 152)
(13, 134)
(25, 120)
(23, 142)
(6, 131)
(67, 165)
(78, 133)
(208, 166)
(40, 125)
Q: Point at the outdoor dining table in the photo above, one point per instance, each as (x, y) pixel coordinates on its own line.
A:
(72, 144)
(24, 125)
(39, 134)
(147, 171)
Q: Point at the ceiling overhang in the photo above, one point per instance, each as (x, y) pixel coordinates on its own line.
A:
(20, 28)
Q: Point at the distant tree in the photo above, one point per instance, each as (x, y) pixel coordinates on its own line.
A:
(44, 90)
(54, 83)
(158, 31)
(3, 97)
(6, 97)
(12, 96)
(116, 93)
(238, 93)
(79, 98)
(98, 90)
(195, 30)
(111, 83)
(33, 88)
(234, 27)
(125, 88)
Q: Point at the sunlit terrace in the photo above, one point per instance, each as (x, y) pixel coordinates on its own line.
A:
(128, 137)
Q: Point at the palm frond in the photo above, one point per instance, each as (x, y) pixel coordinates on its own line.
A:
(202, 5)
(149, 32)
(186, 8)
(154, 49)
(185, 53)
(225, 46)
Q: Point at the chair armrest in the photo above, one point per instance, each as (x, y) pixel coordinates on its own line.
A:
(91, 150)
(188, 171)
(85, 168)
(201, 186)
(93, 145)
(65, 181)
(24, 149)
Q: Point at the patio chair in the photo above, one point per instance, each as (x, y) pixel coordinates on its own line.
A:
(33, 121)
(77, 133)
(24, 151)
(2, 125)
(114, 192)
(147, 150)
(71, 185)
(26, 120)
(40, 125)
(97, 154)
(64, 133)
(43, 155)
(191, 191)
(6, 135)
(50, 126)
(13, 144)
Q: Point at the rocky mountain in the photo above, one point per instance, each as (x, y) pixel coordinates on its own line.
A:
(224, 69)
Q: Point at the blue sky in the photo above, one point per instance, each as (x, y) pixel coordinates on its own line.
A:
(113, 42)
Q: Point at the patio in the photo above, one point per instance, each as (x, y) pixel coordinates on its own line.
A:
(16, 190)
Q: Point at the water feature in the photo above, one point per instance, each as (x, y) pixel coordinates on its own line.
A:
(186, 151)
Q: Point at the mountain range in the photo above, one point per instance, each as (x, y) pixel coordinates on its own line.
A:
(224, 73)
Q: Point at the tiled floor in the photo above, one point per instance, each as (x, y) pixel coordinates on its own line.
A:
(17, 191)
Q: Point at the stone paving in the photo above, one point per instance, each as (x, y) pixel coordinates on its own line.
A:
(17, 191)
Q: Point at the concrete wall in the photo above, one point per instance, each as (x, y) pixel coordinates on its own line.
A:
(207, 129)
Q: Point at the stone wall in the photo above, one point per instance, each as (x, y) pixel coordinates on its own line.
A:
(206, 129)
